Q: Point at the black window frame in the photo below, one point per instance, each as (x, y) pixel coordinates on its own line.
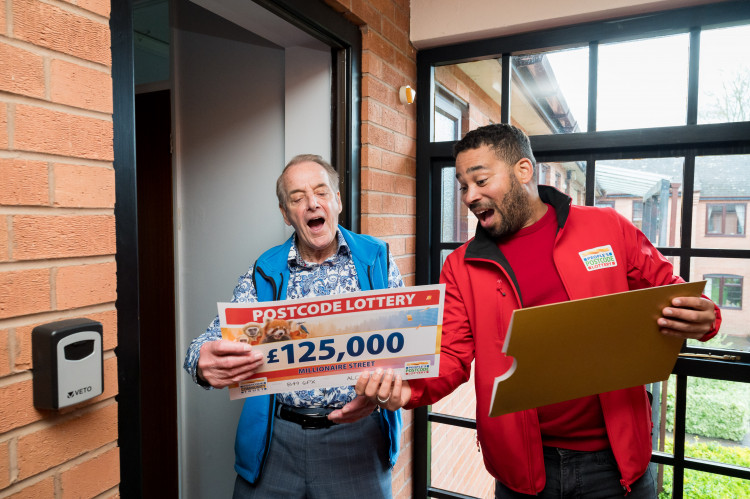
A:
(688, 141)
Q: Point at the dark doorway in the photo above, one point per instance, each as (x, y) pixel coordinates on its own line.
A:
(156, 289)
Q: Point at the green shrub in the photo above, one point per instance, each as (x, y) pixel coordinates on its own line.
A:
(706, 485)
(715, 408)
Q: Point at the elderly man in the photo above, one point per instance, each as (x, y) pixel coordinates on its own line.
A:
(290, 445)
(527, 251)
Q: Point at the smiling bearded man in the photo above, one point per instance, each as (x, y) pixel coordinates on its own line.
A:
(514, 211)
(528, 251)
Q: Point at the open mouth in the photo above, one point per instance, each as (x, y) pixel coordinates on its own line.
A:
(316, 223)
(484, 215)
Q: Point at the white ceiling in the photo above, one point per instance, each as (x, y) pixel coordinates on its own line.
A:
(256, 19)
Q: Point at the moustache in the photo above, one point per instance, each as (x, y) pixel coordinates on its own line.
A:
(479, 206)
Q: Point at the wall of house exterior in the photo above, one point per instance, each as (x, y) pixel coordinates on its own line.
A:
(57, 238)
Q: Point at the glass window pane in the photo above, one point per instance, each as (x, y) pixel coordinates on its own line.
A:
(728, 285)
(643, 83)
(717, 427)
(446, 127)
(452, 446)
(724, 85)
(550, 91)
(663, 476)
(443, 255)
(721, 198)
(457, 223)
(662, 414)
(702, 484)
(456, 463)
(476, 87)
(717, 420)
(568, 177)
(645, 191)
(461, 402)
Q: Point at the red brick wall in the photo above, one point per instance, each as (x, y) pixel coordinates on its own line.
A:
(57, 238)
(388, 151)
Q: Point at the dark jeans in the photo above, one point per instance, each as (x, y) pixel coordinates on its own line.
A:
(573, 474)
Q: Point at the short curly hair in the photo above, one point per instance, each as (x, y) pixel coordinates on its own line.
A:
(508, 142)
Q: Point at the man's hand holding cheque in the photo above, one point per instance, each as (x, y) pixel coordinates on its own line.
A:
(380, 388)
(225, 362)
(384, 389)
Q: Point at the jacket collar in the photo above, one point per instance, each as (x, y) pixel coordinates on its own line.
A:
(483, 247)
(560, 202)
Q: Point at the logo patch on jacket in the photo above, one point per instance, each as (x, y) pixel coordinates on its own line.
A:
(598, 258)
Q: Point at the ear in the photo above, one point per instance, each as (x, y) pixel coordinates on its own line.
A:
(283, 214)
(524, 170)
(338, 201)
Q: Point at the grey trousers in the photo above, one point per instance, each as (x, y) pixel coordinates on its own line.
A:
(341, 462)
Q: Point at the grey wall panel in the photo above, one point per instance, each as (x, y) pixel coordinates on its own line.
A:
(229, 137)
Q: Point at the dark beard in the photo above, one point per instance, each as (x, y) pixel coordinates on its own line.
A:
(514, 212)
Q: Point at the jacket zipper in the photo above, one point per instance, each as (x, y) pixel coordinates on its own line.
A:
(269, 430)
(274, 292)
(369, 276)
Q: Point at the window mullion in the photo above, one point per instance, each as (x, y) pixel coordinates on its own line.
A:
(686, 239)
(693, 76)
(590, 181)
(506, 75)
(593, 79)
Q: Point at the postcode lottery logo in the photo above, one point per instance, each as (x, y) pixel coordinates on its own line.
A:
(598, 258)
(412, 368)
(255, 385)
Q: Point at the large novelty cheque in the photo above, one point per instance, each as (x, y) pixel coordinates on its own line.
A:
(326, 341)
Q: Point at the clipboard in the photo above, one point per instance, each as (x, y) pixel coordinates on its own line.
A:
(583, 347)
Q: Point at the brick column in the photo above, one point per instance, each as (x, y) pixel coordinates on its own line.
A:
(57, 238)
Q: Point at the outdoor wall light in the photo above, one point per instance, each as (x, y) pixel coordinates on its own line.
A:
(406, 95)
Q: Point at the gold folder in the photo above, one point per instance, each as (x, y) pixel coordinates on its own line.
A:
(582, 347)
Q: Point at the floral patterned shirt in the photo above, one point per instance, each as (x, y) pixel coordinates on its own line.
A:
(335, 275)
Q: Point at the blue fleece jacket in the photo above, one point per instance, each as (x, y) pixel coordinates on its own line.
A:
(271, 277)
